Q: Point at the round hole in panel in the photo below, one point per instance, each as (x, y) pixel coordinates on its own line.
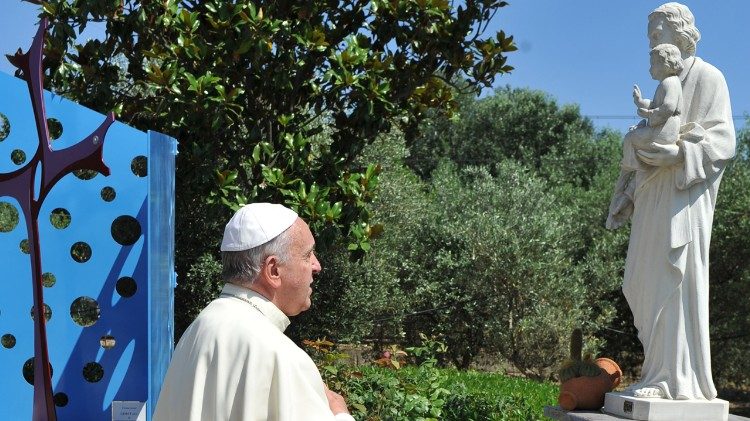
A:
(85, 311)
(8, 217)
(93, 372)
(107, 341)
(47, 312)
(139, 166)
(60, 218)
(28, 371)
(108, 194)
(8, 341)
(4, 127)
(60, 399)
(18, 156)
(48, 279)
(126, 286)
(80, 252)
(85, 174)
(55, 128)
(126, 230)
(24, 246)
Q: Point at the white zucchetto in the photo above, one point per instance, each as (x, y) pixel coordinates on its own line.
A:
(256, 224)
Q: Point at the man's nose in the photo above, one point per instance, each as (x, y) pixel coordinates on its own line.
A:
(316, 267)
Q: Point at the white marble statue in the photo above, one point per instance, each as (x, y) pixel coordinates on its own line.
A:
(672, 204)
(662, 125)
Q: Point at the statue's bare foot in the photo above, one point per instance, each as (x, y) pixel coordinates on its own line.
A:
(649, 392)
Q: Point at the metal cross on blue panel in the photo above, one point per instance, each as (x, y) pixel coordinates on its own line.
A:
(30, 193)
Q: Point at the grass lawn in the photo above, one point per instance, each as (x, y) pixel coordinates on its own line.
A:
(493, 396)
(426, 393)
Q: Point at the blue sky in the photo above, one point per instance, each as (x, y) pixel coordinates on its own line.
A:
(588, 52)
(591, 52)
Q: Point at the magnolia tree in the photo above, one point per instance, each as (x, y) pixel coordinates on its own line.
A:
(272, 100)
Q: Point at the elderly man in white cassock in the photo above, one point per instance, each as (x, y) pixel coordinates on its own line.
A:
(234, 361)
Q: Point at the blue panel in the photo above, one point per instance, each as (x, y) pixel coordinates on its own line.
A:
(161, 252)
(141, 324)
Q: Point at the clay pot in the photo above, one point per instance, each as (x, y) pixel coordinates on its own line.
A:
(612, 369)
(588, 392)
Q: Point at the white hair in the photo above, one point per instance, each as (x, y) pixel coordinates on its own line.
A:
(243, 267)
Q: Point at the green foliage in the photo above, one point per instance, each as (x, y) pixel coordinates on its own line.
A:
(249, 87)
(406, 394)
(428, 352)
(489, 396)
(195, 295)
(424, 392)
(484, 261)
(374, 393)
(498, 250)
(518, 124)
(420, 393)
(730, 273)
(558, 145)
(355, 299)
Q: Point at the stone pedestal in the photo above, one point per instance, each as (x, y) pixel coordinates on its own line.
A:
(559, 414)
(655, 409)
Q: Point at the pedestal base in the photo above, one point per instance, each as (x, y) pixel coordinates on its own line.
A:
(656, 409)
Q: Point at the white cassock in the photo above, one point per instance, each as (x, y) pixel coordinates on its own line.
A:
(234, 363)
(666, 271)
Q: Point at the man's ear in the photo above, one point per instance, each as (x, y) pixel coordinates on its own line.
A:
(270, 272)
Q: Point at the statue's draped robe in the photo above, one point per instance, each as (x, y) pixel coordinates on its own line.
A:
(666, 272)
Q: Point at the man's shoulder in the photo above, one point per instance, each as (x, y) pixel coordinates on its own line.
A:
(230, 322)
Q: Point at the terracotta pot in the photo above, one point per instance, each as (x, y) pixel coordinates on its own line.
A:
(588, 392)
(611, 368)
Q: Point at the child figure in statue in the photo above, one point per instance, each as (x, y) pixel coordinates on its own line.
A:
(662, 126)
(663, 112)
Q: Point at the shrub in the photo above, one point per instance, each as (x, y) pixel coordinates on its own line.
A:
(424, 392)
(407, 394)
(475, 260)
(202, 285)
(730, 273)
(495, 255)
(519, 124)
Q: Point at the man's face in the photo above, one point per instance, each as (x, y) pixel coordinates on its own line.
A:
(297, 271)
(659, 32)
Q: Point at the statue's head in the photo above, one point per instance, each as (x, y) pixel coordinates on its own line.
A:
(666, 60)
(673, 23)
